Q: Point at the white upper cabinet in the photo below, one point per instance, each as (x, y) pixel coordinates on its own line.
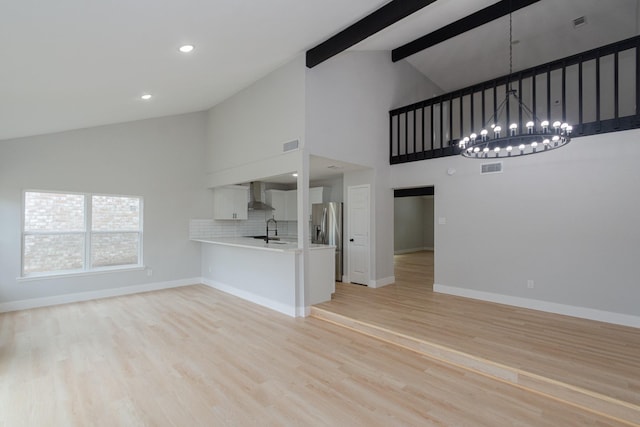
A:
(284, 203)
(316, 195)
(291, 205)
(230, 202)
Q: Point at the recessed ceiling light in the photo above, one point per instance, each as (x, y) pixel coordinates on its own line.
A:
(186, 48)
(294, 174)
(146, 97)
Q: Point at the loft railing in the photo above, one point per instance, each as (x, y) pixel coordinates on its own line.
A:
(596, 91)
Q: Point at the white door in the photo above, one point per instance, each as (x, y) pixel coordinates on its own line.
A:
(358, 236)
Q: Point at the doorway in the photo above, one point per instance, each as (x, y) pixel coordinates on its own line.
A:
(414, 213)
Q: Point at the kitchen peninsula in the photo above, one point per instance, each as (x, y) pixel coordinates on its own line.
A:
(269, 274)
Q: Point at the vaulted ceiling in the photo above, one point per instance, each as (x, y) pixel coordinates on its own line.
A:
(542, 32)
(74, 63)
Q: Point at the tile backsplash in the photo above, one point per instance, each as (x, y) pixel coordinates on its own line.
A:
(255, 225)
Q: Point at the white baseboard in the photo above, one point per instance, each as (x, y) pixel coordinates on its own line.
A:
(550, 307)
(378, 283)
(256, 299)
(91, 295)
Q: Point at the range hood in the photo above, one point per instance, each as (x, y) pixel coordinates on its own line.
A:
(256, 193)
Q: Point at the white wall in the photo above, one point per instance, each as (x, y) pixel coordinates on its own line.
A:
(413, 224)
(246, 132)
(567, 219)
(428, 228)
(348, 103)
(158, 159)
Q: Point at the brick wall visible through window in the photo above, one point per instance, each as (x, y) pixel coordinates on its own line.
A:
(67, 232)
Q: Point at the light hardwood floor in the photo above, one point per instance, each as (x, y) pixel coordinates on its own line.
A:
(599, 358)
(194, 356)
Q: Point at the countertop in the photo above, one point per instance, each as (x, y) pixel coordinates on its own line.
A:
(248, 242)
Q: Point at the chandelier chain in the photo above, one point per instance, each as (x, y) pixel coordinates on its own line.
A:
(510, 44)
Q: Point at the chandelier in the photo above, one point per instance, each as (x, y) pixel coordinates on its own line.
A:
(538, 137)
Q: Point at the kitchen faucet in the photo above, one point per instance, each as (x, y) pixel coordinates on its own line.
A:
(276, 231)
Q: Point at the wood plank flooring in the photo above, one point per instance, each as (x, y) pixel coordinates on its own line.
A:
(195, 356)
(599, 358)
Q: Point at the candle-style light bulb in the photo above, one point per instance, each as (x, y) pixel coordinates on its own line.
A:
(530, 126)
(473, 137)
(496, 131)
(521, 147)
(556, 127)
(483, 134)
(545, 126)
(513, 128)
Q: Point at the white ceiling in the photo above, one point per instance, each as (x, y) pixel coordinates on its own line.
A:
(71, 64)
(319, 168)
(544, 31)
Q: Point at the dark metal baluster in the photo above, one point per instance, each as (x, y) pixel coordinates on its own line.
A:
(432, 131)
(441, 127)
(615, 89)
(406, 134)
(495, 102)
(422, 124)
(580, 96)
(484, 117)
(390, 138)
(414, 132)
(598, 90)
(520, 104)
(398, 132)
(564, 92)
(450, 119)
(534, 97)
(507, 88)
(471, 124)
(461, 115)
(637, 78)
(548, 94)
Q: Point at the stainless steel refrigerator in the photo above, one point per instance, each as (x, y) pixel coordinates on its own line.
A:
(326, 229)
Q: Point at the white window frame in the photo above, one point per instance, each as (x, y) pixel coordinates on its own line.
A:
(88, 234)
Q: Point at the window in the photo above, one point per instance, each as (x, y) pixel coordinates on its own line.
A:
(67, 232)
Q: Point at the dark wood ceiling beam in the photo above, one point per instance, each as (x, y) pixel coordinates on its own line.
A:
(387, 15)
(463, 25)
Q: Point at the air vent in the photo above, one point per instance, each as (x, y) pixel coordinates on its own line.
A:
(578, 22)
(491, 168)
(290, 146)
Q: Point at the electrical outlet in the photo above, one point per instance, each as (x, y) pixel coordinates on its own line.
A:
(530, 284)
(149, 272)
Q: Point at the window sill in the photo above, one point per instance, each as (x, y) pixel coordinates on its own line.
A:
(48, 276)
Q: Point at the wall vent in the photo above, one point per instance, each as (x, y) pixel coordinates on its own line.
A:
(290, 146)
(578, 22)
(491, 168)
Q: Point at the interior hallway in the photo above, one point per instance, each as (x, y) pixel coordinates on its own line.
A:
(592, 363)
